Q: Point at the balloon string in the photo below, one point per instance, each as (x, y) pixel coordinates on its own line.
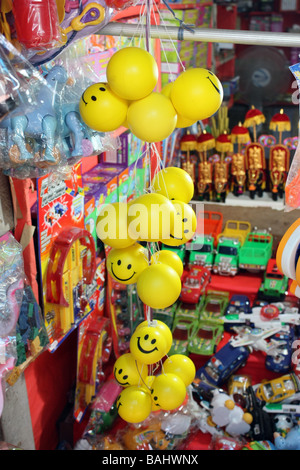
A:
(140, 374)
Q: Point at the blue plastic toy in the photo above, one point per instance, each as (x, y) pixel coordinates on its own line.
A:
(290, 442)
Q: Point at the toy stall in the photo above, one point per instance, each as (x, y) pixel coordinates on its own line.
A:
(149, 227)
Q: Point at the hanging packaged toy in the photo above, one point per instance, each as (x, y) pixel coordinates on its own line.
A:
(11, 292)
(292, 192)
(36, 23)
(45, 132)
(77, 19)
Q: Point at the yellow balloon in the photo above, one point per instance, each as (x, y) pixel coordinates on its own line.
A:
(134, 404)
(181, 121)
(168, 391)
(153, 118)
(182, 366)
(126, 264)
(197, 94)
(150, 217)
(174, 183)
(147, 386)
(158, 286)
(101, 109)
(129, 371)
(185, 224)
(170, 258)
(132, 73)
(148, 345)
(161, 326)
(112, 225)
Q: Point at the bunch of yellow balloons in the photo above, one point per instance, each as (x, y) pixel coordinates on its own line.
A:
(143, 393)
(163, 215)
(129, 98)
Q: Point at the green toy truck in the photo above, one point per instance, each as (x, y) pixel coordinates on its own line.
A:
(256, 251)
(226, 260)
(201, 251)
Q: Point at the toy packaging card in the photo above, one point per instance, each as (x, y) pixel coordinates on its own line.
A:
(63, 244)
(94, 350)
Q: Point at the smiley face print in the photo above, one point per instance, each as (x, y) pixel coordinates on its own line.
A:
(126, 264)
(129, 371)
(101, 109)
(167, 392)
(185, 224)
(134, 404)
(148, 344)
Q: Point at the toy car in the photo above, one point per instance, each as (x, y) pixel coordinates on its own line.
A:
(181, 333)
(214, 306)
(226, 261)
(282, 362)
(194, 284)
(238, 303)
(205, 338)
(237, 388)
(256, 251)
(222, 364)
(275, 284)
(201, 251)
(279, 389)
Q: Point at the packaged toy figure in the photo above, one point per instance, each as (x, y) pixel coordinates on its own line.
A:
(255, 155)
(239, 135)
(279, 159)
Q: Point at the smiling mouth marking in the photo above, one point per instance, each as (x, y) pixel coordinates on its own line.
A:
(216, 88)
(82, 97)
(122, 384)
(120, 279)
(175, 238)
(144, 350)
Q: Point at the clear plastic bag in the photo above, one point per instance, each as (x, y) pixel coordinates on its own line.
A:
(292, 187)
(44, 132)
(11, 293)
(36, 23)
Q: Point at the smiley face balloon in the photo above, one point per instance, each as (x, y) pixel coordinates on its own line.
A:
(132, 73)
(182, 366)
(112, 225)
(197, 94)
(161, 326)
(129, 371)
(150, 217)
(101, 109)
(126, 264)
(134, 404)
(170, 258)
(158, 286)
(148, 344)
(185, 224)
(168, 392)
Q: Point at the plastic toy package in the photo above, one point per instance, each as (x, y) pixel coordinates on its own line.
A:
(292, 191)
(162, 430)
(37, 24)
(31, 334)
(44, 132)
(11, 293)
(76, 20)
